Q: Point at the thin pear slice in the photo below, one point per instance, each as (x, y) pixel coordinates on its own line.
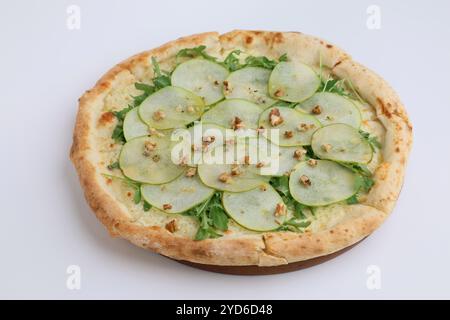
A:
(331, 108)
(148, 160)
(225, 113)
(171, 107)
(341, 142)
(295, 129)
(250, 83)
(293, 82)
(322, 183)
(133, 126)
(224, 169)
(178, 195)
(202, 77)
(254, 209)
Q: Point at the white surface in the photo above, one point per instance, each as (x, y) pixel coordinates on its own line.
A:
(46, 225)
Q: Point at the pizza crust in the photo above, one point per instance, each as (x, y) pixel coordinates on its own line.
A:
(267, 249)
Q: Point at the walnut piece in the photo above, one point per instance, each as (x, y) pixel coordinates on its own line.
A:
(280, 209)
(305, 181)
(172, 226)
(275, 118)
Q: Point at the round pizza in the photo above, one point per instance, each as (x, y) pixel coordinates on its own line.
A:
(250, 148)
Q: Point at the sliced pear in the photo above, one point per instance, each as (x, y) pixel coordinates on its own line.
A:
(171, 107)
(254, 209)
(332, 108)
(133, 126)
(224, 169)
(341, 142)
(204, 137)
(250, 83)
(321, 184)
(148, 160)
(293, 82)
(225, 112)
(202, 77)
(178, 195)
(294, 128)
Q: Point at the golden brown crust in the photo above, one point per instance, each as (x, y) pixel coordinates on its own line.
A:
(271, 248)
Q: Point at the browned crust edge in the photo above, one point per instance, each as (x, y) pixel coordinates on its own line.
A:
(267, 249)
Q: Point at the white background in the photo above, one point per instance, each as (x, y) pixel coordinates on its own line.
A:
(46, 224)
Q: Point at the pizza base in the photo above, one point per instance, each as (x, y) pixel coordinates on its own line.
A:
(261, 249)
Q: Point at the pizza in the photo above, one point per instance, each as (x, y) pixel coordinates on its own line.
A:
(249, 148)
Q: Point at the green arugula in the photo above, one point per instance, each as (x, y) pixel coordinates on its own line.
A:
(298, 222)
(364, 181)
(160, 80)
(211, 217)
(232, 62)
(194, 53)
(136, 186)
(281, 103)
(372, 140)
(113, 166)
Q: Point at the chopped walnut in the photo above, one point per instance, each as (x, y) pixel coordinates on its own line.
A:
(156, 158)
(216, 83)
(260, 165)
(312, 162)
(317, 110)
(208, 139)
(278, 93)
(172, 226)
(167, 206)
(158, 115)
(288, 134)
(275, 117)
(303, 127)
(226, 85)
(305, 181)
(235, 170)
(299, 153)
(280, 209)
(225, 178)
(237, 123)
(326, 147)
(148, 148)
(191, 172)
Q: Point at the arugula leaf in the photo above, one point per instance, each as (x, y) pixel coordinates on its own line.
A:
(294, 225)
(146, 206)
(232, 62)
(353, 199)
(210, 215)
(281, 103)
(372, 140)
(283, 58)
(262, 62)
(194, 53)
(160, 81)
(281, 185)
(114, 165)
(310, 153)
